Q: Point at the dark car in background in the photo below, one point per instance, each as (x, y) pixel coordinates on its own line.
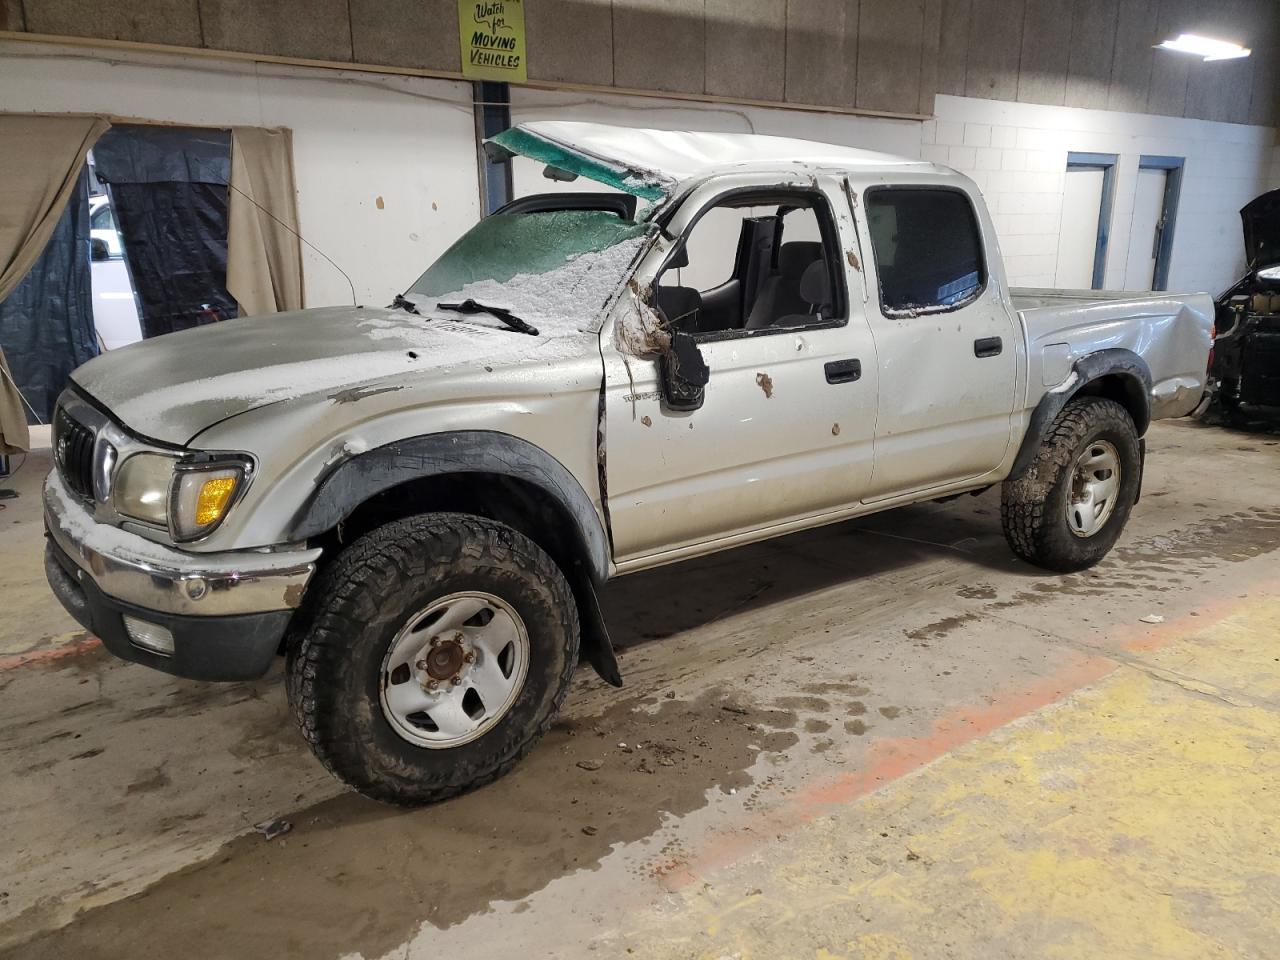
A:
(1245, 362)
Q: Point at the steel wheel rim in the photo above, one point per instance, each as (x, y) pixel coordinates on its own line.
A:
(1095, 488)
(454, 670)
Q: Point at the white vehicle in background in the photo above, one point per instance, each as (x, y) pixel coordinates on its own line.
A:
(417, 504)
(115, 308)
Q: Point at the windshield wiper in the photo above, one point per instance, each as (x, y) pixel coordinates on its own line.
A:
(404, 303)
(506, 316)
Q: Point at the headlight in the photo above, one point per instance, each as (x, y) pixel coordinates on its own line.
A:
(1269, 273)
(203, 491)
(141, 487)
(190, 496)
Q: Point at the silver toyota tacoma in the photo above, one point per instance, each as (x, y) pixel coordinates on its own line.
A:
(726, 338)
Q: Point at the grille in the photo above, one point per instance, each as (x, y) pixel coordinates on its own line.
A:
(73, 447)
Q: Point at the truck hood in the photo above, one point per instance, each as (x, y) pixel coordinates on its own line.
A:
(1261, 219)
(174, 387)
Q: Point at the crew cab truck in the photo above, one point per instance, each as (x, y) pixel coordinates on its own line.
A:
(726, 338)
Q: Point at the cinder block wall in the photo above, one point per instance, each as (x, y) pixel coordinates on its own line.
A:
(1017, 154)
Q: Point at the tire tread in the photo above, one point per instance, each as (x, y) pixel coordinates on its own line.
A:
(1023, 500)
(397, 550)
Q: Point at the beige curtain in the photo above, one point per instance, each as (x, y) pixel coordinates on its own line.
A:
(40, 159)
(264, 256)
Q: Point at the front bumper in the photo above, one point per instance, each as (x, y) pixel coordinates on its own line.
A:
(227, 612)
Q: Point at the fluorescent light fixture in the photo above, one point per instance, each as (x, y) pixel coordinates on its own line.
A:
(1205, 47)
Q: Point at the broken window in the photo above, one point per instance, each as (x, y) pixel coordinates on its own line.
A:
(928, 248)
(755, 262)
(558, 265)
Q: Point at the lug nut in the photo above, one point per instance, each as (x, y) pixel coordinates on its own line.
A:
(456, 680)
(432, 684)
(470, 658)
(421, 664)
(435, 641)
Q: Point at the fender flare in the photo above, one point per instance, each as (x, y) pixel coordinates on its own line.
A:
(367, 474)
(1114, 361)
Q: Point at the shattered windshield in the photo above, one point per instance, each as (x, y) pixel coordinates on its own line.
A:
(544, 266)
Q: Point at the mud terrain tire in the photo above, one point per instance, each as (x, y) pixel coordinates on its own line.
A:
(360, 605)
(1034, 507)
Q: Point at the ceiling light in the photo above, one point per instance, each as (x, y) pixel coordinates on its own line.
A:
(1205, 47)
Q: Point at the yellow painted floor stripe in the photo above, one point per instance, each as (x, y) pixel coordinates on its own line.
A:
(1136, 818)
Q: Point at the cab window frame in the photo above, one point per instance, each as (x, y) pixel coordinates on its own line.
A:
(779, 196)
(897, 313)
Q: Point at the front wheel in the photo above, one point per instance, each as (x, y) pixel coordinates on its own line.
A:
(436, 653)
(1067, 510)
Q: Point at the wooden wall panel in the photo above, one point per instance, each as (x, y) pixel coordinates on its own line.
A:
(1046, 51)
(822, 52)
(746, 48)
(995, 49)
(953, 46)
(1131, 65)
(880, 55)
(659, 45)
(1093, 42)
(581, 55)
(1167, 94)
(929, 55)
(890, 38)
(148, 21)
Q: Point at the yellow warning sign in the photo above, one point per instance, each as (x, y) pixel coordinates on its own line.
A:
(492, 37)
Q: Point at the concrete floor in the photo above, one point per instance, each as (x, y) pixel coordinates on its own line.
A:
(884, 739)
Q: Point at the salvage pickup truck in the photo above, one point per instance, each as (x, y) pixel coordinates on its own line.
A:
(727, 338)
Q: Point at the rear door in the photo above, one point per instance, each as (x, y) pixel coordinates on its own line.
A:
(947, 345)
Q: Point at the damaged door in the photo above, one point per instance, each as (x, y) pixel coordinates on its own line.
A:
(948, 345)
(760, 281)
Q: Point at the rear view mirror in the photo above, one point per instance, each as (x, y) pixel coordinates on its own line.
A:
(684, 373)
(558, 175)
(98, 249)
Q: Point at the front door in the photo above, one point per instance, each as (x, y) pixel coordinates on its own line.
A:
(759, 281)
(948, 346)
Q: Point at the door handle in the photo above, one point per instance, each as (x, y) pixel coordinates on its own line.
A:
(843, 371)
(988, 347)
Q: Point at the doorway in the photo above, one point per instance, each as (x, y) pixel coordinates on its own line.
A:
(1086, 221)
(1155, 210)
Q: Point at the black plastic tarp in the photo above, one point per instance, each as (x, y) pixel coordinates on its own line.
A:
(46, 323)
(168, 189)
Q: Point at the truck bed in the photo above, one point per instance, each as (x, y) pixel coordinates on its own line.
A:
(1027, 298)
(1170, 332)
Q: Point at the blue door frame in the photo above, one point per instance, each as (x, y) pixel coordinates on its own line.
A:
(1106, 162)
(1162, 250)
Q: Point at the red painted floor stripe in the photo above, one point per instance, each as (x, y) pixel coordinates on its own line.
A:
(50, 654)
(891, 759)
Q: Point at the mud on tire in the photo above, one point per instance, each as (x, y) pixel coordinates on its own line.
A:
(358, 606)
(1034, 507)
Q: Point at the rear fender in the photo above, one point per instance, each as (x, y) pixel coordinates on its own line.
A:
(1117, 368)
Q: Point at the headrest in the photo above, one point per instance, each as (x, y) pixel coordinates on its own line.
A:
(815, 288)
(795, 256)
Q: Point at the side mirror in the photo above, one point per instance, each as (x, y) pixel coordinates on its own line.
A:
(98, 249)
(684, 373)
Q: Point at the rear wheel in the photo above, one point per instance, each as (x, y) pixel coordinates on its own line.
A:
(436, 653)
(1067, 510)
